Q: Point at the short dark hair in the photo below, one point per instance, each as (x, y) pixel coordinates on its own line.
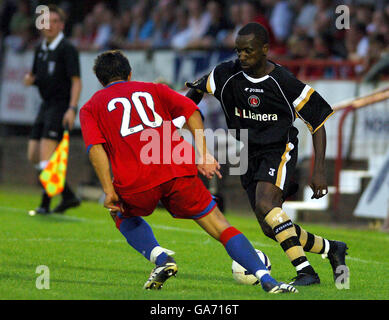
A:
(110, 66)
(257, 29)
(57, 10)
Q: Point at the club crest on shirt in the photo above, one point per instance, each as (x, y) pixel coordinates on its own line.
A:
(51, 67)
(254, 101)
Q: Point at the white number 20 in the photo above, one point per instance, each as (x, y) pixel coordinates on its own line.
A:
(125, 129)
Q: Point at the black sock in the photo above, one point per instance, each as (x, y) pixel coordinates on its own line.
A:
(45, 202)
(67, 193)
(308, 269)
(333, 246)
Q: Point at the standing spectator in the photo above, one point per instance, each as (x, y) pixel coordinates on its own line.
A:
(88, 33)
(77, 35)
(56, 73)
(7, 10)
(357, 42)
(251, 12)
(141, 30)
(20, 27)
(167, 27)
(281, 19)
(376, 63)
(305, 16)
(180, 27)
(198, 22)
(103, 17)
(235, 20)
(217, 30)
(120, 26)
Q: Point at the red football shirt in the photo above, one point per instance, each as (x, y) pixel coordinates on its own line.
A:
(133, 121)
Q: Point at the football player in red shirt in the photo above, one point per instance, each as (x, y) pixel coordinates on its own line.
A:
(117, 124)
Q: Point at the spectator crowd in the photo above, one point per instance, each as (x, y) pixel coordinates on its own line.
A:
(298, 29)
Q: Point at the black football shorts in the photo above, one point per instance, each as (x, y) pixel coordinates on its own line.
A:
(276, 166)
(48, 123)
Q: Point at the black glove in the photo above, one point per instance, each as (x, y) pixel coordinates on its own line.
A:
(200, 85)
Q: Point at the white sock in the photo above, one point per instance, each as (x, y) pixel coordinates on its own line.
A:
(157, 251)
(260, 273)
(43, 164)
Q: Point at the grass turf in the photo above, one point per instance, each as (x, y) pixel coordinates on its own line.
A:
(89, 259)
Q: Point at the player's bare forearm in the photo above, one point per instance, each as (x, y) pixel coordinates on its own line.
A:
(319, 181)
(99, 159)
(207, 166)
(196, 126)
(195, 95)
(100, 163)
(319, 139)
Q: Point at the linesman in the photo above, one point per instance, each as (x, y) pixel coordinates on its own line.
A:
(56, 73)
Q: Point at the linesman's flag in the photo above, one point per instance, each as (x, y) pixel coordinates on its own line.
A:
(53, 176)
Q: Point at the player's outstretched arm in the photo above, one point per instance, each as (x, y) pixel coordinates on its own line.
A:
(319, 183)
(207, 164)
(195, 95)
(100, 163)
(197, 89)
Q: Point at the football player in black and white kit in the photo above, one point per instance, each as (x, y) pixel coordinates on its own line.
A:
(264, 98)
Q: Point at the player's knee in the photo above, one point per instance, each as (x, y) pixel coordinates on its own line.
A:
(214, 223)
(220, 221)
(262, 207)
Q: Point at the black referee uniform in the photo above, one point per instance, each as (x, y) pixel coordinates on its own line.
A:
(54, 66)
(267, 108)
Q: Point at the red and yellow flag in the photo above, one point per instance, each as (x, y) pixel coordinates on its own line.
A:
(53, 176)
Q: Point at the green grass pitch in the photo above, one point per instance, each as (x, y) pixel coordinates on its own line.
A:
(89, 259)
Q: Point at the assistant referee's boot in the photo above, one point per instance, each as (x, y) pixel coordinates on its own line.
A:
(44, 207)
(69, 200)
(160, 274)
(66, 204)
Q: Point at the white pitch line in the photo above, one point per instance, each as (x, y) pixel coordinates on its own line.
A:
(56, 215)
(257, 244)
(164, 227)
(62, 240)
(366, 261)
(260, 244)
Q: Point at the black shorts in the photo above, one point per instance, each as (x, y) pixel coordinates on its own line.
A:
(276, 166)
(48, 123)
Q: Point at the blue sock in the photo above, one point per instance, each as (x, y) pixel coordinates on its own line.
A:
(267, 278)
(140, 236)
(241, 250)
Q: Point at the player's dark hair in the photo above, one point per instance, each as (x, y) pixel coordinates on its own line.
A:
(57, 10)
(111, 66)
(258, 30)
